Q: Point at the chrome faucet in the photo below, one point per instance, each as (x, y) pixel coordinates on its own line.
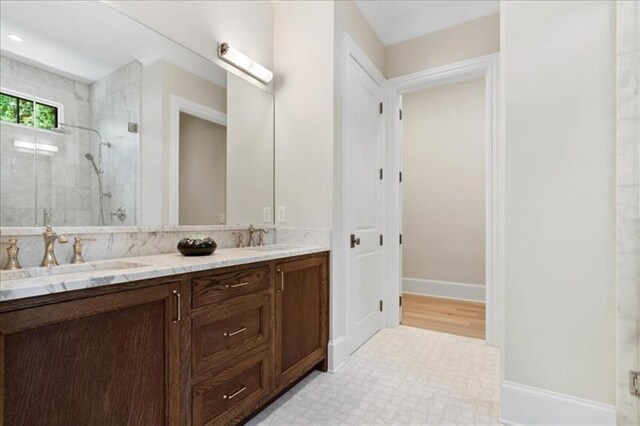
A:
(260, 232)
(50, 238)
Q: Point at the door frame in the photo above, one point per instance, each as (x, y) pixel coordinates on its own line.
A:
(483, 66)
(177, 105)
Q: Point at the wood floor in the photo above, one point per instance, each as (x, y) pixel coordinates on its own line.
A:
(445, 315)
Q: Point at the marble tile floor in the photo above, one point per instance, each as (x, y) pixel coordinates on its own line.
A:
(402, 376)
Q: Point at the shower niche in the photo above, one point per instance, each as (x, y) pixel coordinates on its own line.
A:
(91, 109)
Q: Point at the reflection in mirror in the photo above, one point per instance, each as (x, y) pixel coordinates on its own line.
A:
(106, 122)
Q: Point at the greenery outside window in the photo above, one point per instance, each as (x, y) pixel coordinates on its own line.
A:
(14, 109)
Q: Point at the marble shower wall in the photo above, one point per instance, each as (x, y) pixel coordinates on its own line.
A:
(114, 102)
(628, 207)
(61, 179)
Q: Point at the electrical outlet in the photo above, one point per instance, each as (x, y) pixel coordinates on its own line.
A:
(281, 214)
(222, 218)
(266, 214)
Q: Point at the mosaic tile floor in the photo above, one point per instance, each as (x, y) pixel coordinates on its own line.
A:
(402, 376)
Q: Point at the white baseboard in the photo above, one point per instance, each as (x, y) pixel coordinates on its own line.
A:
(526, 405)
(336, 353)
(448, 289)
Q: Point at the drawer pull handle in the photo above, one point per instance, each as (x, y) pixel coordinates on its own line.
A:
(281, 272)
(179, 306)
(233, 395)
(233, 333)
(237, 285)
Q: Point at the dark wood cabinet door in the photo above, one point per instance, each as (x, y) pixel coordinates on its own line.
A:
(301, 317)
(105, 360)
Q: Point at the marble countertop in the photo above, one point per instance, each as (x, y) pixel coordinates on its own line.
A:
(14, 285)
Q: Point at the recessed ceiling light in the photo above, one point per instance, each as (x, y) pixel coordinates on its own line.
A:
(14, 37)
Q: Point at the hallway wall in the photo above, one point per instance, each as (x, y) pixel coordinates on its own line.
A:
(465, 41)
(443, 149)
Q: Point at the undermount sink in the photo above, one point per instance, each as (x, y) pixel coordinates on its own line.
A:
(33, 272)
(271, 247)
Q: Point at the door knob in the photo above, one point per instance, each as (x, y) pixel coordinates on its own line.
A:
(354, 241)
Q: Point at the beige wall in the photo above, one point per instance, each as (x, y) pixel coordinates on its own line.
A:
(203, 167)
(201, 25)
(443, 217)
(559, 94)
(465, 41)
(159, 81)
(349, 19)
(303, 63)
(249, 152)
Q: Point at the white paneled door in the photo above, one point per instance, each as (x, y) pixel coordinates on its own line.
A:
(363, 146)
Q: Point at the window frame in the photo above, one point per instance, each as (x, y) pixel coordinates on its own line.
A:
(35, 100)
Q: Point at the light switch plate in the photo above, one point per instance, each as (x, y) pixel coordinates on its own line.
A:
(281, 214)
(266, 214)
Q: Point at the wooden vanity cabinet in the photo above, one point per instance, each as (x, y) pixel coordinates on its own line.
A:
(301, 317)
(206, 348)
(110, 359)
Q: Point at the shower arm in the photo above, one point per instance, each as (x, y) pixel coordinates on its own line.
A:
(107, 144)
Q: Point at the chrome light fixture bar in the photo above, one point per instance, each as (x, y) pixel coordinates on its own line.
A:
(244, 63)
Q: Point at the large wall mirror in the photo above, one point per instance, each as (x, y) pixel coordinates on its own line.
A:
(105, 122)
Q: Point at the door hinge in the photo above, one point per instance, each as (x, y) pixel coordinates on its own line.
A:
(400, 300)
(400, 238)
(381, 306)
(381, 174)
(400, 176)
(634, 383)
(380, 107)
(401, 114)
(381, 239)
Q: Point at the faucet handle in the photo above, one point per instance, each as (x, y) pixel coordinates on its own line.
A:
(12, 255)
(239, 239)
(77, 249)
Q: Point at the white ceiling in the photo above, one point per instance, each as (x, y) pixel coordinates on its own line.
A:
(396, 21)
(87, 40)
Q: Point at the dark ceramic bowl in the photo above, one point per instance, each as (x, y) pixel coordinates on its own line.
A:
(197, 246)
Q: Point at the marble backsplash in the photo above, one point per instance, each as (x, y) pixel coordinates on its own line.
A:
(103, 243)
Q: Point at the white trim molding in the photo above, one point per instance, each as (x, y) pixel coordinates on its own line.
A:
(336, 354)
(527, 405)
(445, 289)
(177, 105)
(483, 66)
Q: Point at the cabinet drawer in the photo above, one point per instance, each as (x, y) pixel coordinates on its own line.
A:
(228, 329)
(219, 287)
(232, 393)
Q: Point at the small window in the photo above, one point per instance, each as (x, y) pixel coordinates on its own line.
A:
(14, 109)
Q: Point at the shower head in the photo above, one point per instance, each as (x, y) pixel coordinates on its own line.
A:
(95, 167)
(61, 130)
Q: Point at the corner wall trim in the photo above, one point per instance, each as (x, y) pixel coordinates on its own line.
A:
(447, 289)
(527, 405)
(336, 353)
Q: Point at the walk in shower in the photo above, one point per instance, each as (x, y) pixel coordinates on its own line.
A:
(62, 139)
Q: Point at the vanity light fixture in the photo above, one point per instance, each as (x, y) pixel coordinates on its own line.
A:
(244, 63)
(14, 37)
(39, 146)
